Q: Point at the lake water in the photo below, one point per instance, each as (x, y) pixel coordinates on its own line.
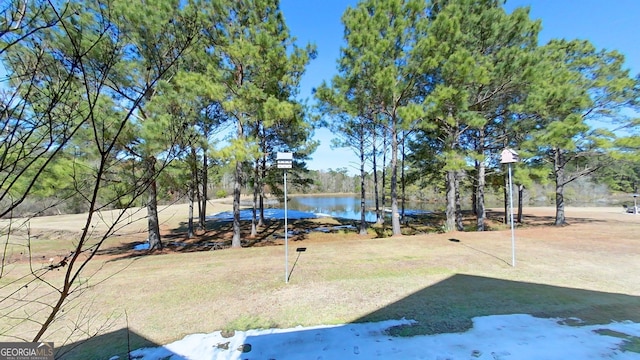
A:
(348, 207)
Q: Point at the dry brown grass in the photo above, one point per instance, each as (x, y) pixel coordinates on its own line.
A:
(589, 269)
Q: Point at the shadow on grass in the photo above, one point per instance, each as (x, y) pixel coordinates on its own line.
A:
(445, 307)
(497, 217)
(106, 346)
(218, 234)
(434, 223)
(450, 305)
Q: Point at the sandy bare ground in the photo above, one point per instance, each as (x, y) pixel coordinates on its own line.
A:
(132, 220)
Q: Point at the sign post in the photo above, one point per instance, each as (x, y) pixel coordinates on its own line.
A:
(509, 157)
(285, 161)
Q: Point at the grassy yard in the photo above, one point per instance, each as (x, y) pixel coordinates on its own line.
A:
(587, 270)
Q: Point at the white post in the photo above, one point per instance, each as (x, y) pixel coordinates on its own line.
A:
(286, 233)
(285, 161)
(509, 156)
(513, 237)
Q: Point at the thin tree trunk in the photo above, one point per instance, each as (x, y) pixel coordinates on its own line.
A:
(450, 222)
(198, 200)
(263, 174)
(559, 177)
(236, 242)
(520, 195)
(261, 163)
(376, 190)
(560, 217)
(474, 195)
(459, 225)
(190, 232)
(155, 242)
(395, 216)
(237, 189)
(205, 193)
(451, 178)
(254, 214)
(193, 185)
(505, 188)
(384, 171)
(363, 220)
(479, 208)
(402, 179)
(481, 211)
(261, 207)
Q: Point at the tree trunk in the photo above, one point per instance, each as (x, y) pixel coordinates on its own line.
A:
(190, 232)
(520, 194)
(254, 212)
(459, 225)
(202, 215)
(402, 179)
(236, 242)
(237, 189)
(261, 208)
(198, 200)
(450, 222)
(193, 186)
(480, 210)
(395, 217)
(155, 242)
(384, 172)
(559, 177)
(479, 201)
(506, 199)
(474, 197)
(363, 220)
(263, 169)
(560, 217)
(376, 189)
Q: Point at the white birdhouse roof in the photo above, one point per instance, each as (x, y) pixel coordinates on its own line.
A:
(508, 156)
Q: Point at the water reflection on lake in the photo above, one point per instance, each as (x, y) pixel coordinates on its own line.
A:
(347, 207)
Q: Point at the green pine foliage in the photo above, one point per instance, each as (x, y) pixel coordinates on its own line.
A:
(455, 80)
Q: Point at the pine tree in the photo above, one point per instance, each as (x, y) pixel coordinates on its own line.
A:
(259, 67)
(575, 83)
(374, 65)
(476, 61)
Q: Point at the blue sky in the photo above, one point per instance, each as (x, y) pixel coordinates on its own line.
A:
(611, 25)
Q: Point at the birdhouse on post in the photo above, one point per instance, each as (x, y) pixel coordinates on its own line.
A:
(509, 156)
(284, 160)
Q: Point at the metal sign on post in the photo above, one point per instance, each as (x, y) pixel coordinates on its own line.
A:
(285, 161)
(509, 157)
